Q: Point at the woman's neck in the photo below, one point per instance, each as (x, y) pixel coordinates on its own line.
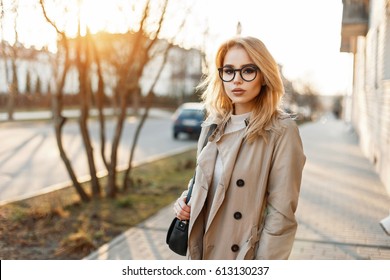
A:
(240, 109)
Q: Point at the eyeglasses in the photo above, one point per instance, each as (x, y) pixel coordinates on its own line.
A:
(248, 73)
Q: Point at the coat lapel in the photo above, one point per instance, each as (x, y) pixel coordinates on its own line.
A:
(228, 151)
(206, 162)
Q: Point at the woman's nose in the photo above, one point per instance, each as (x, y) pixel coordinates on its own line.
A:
(237, 78)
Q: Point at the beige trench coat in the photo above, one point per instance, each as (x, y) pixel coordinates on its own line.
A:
(239, 225)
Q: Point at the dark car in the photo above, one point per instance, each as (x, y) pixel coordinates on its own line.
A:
(188, 119)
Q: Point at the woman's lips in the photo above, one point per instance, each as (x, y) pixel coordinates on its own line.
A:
(238, 91)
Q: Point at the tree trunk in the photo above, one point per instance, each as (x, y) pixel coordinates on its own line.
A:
(59, 121)
(127, 74)
(83, 67)
(100, 98)
(136, 101)
(111, 182)
(126, 178)
(149, 100)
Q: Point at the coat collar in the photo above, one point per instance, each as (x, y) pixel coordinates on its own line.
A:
(221, 122)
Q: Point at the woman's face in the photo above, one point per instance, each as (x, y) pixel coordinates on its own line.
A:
(242, 93)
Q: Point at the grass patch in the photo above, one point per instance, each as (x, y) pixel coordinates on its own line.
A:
(58, 226)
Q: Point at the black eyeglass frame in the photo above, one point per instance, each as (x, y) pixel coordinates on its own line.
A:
(220, 71)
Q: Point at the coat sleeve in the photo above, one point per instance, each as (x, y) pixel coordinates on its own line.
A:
(280, 225)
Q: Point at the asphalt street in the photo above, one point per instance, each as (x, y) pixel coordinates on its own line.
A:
(30, 163)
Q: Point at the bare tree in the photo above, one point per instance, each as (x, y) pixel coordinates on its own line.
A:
(149, 99)
(150, 94)
(306, 98)
(57, 104)
(83, 66)
(100, 97)
(11, 53)
(131, 58)
(2, 41)
(28, 84)
(38, 88)
(130, 75)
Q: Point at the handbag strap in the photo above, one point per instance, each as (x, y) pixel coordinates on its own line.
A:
(211, 129)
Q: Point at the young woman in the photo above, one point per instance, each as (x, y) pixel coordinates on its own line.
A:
(249, 174)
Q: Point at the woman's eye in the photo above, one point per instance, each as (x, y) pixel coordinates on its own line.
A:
(249, 70)
(228, 71)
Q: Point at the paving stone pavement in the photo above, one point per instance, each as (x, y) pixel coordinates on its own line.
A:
(341, 203)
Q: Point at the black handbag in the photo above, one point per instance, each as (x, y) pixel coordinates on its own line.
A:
(177, 235)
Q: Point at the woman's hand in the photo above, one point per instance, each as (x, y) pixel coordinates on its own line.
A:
(181, 209)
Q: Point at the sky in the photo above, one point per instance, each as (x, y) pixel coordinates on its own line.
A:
(302, 35)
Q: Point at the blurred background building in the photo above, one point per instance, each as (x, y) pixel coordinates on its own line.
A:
(366, 34)
(35, 71)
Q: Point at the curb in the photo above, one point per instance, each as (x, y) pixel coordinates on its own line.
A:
(100, 174)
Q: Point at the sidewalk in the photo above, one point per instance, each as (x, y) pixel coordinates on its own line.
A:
(341, 203)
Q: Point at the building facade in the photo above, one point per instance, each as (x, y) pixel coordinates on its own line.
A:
(366, 34)
(180, 76)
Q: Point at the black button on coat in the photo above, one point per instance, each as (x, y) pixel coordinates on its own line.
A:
(240, 183)
(235, 248)
(237, 215)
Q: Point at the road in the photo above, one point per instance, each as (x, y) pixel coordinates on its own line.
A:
(30, 162)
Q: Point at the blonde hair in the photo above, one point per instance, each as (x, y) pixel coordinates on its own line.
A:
(267, 103)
